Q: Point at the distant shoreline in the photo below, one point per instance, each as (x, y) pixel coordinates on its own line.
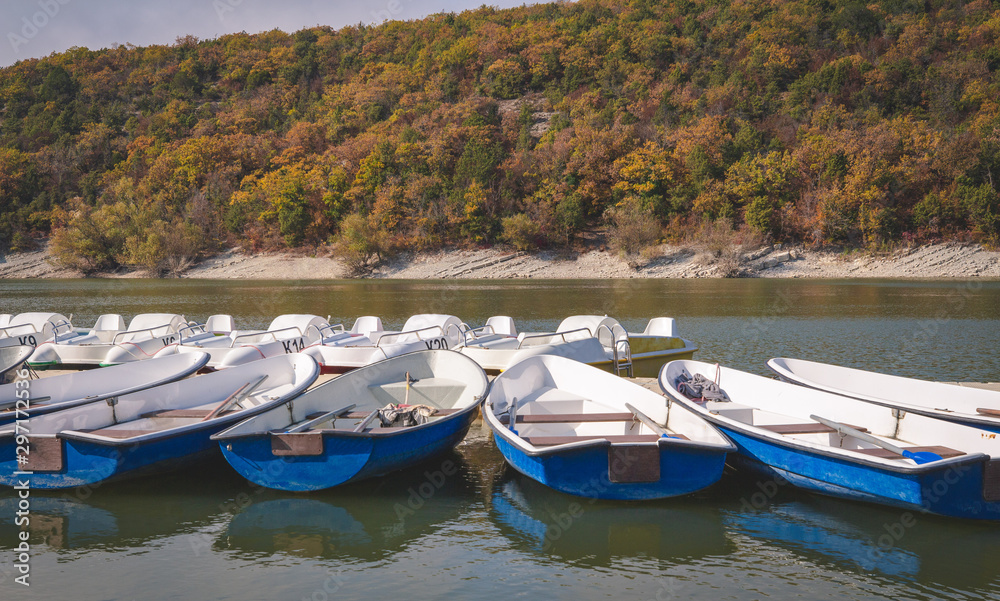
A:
(949, 260)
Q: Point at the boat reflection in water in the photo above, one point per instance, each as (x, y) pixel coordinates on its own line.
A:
(875, 541)
(370, 520)
(126, 514)
(59, 523)
(538, 519)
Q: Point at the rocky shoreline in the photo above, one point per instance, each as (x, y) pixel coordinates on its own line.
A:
(930, 261)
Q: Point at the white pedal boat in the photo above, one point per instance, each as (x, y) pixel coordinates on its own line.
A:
(286, 334)
(33, 329)
(109, 342)
(597, 340)
(368, 341)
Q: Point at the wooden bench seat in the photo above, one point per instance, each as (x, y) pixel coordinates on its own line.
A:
(560, 418)
(944, 452)
(548, 441)
(807, 428)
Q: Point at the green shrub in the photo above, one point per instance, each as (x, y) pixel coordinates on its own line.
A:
(759, 215)
(632, 228)
(982, 205)
(360, 245)
(520, 231)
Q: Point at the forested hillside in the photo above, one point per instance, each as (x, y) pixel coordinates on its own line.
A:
(858, 123)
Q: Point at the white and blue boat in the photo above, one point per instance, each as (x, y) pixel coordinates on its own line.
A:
(962, 404)
(343, 431)
(152, 430)
(584, 431)
(20, 400)
(844, 447)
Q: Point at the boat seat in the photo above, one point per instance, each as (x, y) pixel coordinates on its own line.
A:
(807, 428)
(548, 441)
(107, 326)
(661, 326)
(560, 418)
(503, 325)
(367, 324)
(220, 324)
(944, 452)
(182, 413)
(109, 322)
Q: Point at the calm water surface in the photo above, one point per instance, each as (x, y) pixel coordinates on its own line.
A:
(485, 532)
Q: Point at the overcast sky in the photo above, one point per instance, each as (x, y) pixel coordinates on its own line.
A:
(36, 28)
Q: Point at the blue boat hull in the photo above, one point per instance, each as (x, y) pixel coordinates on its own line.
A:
(87, 463)
(583, 471)
(346, 457)
(954, 490)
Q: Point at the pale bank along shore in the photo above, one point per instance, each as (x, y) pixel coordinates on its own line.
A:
(951, 260)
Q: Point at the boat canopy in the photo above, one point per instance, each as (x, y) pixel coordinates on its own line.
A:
(300, 321)
(146, 321)
(450, 325)
(44, 323)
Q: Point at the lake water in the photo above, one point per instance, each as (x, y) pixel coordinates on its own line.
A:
(466, 527)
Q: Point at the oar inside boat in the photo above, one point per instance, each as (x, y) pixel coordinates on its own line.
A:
(329, 415)
(512, 414)
(364, 423)
(920, 457)
(655, 427)
(236, 398)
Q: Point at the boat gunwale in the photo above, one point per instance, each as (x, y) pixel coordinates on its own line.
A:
(533, 451)
(333, 433)
(827, 451)
(192, 428)
(46, 408)
(477, 402)
(952, 416)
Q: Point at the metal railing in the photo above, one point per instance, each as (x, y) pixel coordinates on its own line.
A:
(332, 328)
(167, 331)
(620, 347)
(191, 326)
(441, 332)
(475, 333)
(56, 325)
(23, 327)
(561, 335)
(33, 330)
(272, 333)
